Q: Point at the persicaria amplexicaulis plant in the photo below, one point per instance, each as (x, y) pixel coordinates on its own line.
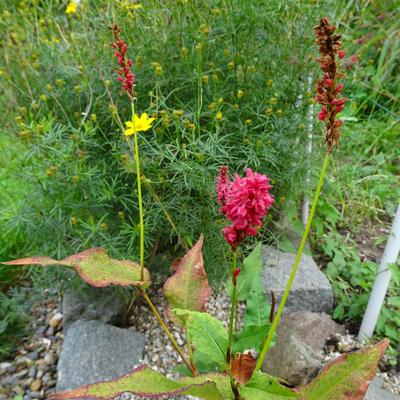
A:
(220, 363)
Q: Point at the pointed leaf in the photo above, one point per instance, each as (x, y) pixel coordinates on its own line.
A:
(251, 269)
(347, 377)
(264, 387)
(188, 288)
(242, 367)
(95, 267)
(147, 383)
(208, 336)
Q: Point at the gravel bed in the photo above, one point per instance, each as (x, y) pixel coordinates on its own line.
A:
(341, 344)
(32, 372)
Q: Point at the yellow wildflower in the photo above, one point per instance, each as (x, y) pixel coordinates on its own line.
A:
(218, 116)
(205, 79)
(248, 121)
(177, 113)
(240, 93)
(137, 124)
(231, 65)
(71, 8)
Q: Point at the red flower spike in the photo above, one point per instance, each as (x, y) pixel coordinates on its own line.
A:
(126, 77)
(329, 44)
(245, 202)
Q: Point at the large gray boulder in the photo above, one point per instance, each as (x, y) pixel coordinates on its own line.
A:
(311, 289)
(377, 391)
(93, 352)
(89, 303)
(291, 359)
(314, 329)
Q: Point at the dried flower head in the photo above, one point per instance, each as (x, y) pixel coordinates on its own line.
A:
(328, 88)
(245, 202)
(125, 75)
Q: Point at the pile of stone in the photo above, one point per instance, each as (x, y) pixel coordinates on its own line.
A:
(101, 344)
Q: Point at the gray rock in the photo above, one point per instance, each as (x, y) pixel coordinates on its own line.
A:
(376, 391)
(90, 303)
(94, 351)
(314, 329)
(311, 289)
(292, 360)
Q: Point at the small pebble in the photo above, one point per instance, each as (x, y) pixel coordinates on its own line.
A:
(35, 385)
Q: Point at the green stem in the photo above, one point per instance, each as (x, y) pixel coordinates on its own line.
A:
(167, 331)
(275, 322)
(140, 199)
(232, 316)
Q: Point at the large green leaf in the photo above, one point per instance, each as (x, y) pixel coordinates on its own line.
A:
(251, 268)
(208, 336)
(264, 387)
(347, 377)
(188, 288)
(95, 267)
(147, 383)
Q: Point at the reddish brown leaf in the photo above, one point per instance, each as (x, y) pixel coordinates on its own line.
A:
(347, 377)
(188, 288)
(242, 367)
(147, 383)
(95, 267)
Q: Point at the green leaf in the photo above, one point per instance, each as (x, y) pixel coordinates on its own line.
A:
(347, 377)
(96, 268)
(251, 268)
(147, 383)
(204, 364)
(250, 337)
(258, 309)
(222, 382)
(256, 320)
(188, 288)
(264, 387)
(208, 336)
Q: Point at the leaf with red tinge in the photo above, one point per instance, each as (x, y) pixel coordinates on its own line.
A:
(147, 383)
(242, 367)
(265, 387)
(347, 377)
(95, 267)
(188, 288)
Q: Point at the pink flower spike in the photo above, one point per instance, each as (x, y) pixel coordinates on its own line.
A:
(245, 201)
(341, 54)
(328, 82)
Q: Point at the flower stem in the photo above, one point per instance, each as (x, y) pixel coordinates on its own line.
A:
(232, 316)
(275, 322)
(167, 331)
(140, 199)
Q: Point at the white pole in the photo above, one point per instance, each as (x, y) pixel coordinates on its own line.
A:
(382, 280)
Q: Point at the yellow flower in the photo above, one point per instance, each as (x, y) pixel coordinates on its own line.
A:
(240, 93)
(71, 8)
(137, 124)
(218, 116)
